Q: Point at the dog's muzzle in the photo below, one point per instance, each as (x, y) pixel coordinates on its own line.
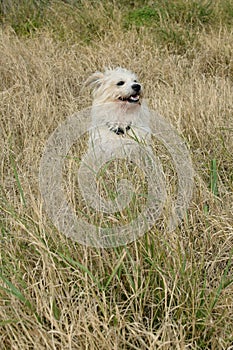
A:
(135, 96)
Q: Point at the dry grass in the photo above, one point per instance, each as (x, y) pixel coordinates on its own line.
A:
(164, 291)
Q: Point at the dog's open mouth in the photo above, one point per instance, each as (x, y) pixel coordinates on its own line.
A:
(131, 99)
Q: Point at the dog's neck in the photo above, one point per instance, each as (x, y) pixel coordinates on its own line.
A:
(111, 123)
(119, 113)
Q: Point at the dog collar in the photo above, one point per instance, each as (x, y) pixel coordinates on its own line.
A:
(121, 131)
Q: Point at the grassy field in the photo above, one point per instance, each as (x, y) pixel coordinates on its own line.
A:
(165, 290)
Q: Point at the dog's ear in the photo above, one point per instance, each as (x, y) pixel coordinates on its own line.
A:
(95, 80)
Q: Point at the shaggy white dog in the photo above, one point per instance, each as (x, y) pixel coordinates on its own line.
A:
(118, 109)
(119, 129)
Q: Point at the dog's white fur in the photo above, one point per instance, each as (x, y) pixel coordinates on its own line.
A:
(118, 111)
(120, 122)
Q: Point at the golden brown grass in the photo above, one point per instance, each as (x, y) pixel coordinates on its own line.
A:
(164, 291)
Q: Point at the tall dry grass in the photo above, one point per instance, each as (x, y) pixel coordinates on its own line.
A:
(164, 291)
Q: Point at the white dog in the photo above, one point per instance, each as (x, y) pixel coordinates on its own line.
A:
(120, 124)
(118, 109)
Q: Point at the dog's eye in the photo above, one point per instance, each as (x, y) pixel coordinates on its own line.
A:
(120, 83)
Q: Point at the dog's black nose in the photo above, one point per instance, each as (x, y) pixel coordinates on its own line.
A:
(136, 87)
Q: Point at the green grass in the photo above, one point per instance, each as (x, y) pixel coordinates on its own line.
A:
(214, 177)
(24, 16)
(175, 24)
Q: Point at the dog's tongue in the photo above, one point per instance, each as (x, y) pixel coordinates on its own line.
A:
(134, 98)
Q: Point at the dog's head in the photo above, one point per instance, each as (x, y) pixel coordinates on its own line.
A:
(116, 85)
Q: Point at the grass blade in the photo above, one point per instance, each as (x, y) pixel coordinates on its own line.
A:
(22, 197)
(214, 177)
